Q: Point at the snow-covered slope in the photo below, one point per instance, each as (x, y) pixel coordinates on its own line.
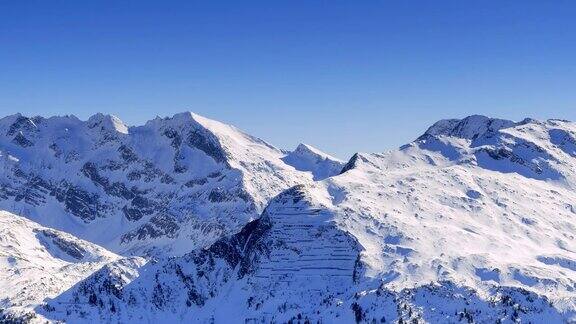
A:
(38, 263)
(542, 150)
(474, 221)
(169, 186)
(308, 158)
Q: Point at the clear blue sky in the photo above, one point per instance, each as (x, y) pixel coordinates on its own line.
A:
(345, 76)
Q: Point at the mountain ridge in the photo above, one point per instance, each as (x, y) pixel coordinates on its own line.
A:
(472, 221)
(172, 184)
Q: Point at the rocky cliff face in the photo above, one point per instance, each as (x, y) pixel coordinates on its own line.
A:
(168, 186)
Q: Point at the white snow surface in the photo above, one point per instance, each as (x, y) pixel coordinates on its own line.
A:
(473, 221)
(38, 262)
(309, 158)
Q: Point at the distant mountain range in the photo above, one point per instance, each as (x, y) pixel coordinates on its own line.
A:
(187, 219)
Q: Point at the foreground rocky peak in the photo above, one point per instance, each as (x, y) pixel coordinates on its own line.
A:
(418, 246)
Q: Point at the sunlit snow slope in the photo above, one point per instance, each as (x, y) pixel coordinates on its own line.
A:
(475, 221)
(37, 263)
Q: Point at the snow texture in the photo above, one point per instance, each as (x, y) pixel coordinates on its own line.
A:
(474, 221)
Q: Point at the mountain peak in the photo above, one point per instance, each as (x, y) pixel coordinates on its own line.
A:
(308, 158)
(470, 127)
(190, 119)
(303, 148)
(184, 117)
(107, 123)
(18, 122)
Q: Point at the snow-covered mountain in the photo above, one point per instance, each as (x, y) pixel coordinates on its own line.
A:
(169, 186)
(38, 262)
(474, 221)
(308, 158)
